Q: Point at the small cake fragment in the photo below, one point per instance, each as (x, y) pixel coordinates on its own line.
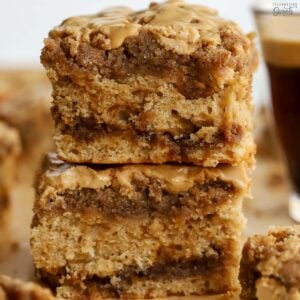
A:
(270, 266)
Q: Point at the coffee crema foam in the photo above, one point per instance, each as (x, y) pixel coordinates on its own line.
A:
(280, 36)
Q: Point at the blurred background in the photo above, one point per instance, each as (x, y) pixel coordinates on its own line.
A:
(25, 115)
(24, 25)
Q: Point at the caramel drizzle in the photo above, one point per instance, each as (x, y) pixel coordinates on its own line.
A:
(118, 23)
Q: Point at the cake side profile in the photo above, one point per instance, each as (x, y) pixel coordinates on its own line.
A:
(14, 289)
(138, 231)
(270, 266)
(171, 83)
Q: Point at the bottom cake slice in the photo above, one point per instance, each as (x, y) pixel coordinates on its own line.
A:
(270, 267)
(138, 231)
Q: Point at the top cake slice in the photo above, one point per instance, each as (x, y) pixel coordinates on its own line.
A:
(171, 83)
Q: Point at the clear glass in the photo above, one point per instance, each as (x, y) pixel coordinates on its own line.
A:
(279, 30)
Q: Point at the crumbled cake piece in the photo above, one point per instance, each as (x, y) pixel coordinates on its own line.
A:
(10, 148)
(270, 266)
(14, 289)
(138, 231)
(171, 83)
(25, 97)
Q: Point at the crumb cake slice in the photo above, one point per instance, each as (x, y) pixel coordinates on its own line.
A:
(171, 83)
(270, 266)
(138, 231)
(9, 153)
(15, 289)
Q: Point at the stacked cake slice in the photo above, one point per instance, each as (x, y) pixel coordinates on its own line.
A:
(169, 84)
(152, 113)
(139, 230)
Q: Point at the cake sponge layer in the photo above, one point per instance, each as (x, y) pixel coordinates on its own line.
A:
(139, 231)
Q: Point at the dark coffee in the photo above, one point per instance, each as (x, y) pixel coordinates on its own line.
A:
(280, 37)
(285, 85)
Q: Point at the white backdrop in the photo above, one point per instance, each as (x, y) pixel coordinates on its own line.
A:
(24, 24)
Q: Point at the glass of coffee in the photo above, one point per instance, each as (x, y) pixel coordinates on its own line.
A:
(279, 30)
